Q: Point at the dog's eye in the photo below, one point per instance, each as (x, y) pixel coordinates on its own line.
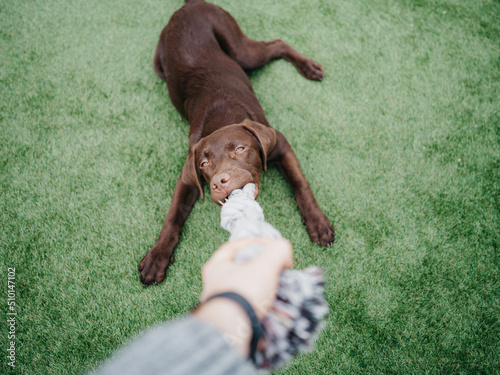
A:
(239, 149)
(204, 164)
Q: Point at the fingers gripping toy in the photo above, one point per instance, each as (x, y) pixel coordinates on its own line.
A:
(296, 317)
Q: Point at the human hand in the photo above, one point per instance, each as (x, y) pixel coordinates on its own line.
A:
(256, 280)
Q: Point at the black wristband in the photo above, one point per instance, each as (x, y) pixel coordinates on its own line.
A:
(254, 321)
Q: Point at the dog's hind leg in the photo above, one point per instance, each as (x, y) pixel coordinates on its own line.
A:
(251, 54)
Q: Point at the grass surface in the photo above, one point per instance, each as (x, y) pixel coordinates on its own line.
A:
(400, 143)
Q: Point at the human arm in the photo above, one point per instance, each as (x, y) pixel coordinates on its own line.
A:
(210, 341)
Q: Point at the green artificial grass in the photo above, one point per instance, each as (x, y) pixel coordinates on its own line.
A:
(400, 144)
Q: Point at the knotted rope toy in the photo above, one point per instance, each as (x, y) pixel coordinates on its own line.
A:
(296, 317)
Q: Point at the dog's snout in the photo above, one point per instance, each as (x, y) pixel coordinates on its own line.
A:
(224, 183)
(220, 181)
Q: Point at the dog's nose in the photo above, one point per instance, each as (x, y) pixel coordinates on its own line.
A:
(220, 181)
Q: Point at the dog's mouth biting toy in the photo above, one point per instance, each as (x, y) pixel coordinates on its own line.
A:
(255, 190)
(296, 317)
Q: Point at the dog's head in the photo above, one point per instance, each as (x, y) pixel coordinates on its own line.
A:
(229, 158)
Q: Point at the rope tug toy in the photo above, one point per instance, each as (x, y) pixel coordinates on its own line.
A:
(296, 317)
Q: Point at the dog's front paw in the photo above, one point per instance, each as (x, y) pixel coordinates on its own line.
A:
(320, 229)
(312, 70)
(153, 266)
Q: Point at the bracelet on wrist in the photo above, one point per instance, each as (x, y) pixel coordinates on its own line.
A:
(257, 329)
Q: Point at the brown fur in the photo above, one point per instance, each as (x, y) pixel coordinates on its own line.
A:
(202, 55)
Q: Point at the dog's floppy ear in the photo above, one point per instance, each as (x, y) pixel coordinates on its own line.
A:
(191, 173)
(265, 135)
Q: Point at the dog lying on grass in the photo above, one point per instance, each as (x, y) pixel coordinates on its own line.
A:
(202, 55)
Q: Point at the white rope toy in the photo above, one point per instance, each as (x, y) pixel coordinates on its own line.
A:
(295, 318)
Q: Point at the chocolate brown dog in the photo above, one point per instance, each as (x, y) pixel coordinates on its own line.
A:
(202, 55)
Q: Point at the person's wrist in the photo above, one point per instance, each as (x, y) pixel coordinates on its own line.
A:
(230, 319)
